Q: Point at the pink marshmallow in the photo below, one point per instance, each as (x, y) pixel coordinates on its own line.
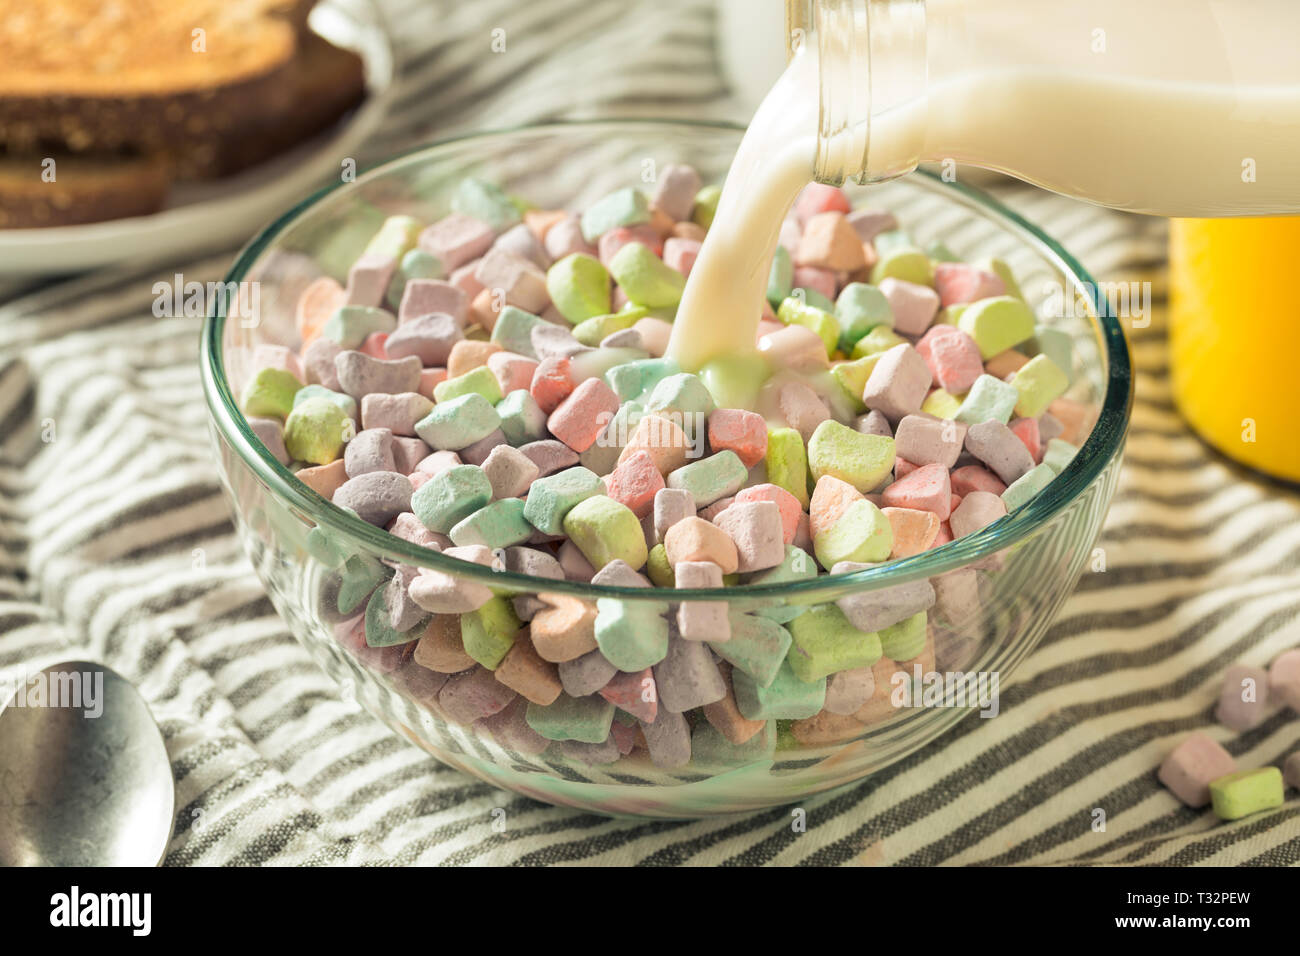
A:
(927, 488)
(914, 306)
(952, 357)
(959, 282)
(580, 418)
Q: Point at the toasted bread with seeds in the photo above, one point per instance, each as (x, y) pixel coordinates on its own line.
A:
(144, 75)
(79, 189)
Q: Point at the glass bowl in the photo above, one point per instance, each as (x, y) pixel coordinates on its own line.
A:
(318, 562)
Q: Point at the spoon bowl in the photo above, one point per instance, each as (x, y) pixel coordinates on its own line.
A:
(84, 776)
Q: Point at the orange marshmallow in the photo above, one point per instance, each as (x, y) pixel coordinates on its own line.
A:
(694, 539)
(524, 671)
(467, 355)
(321, 299)
(830, 242)
(565, 629)
(914, 531)
(440, 647)
(1004, 363)
(830, 499)
(661, 439)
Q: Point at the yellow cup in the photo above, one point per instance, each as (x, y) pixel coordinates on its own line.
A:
(1234, 337)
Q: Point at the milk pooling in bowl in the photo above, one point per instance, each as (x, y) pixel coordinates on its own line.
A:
(1188, 108)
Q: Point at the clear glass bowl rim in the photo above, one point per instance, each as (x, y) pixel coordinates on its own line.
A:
(1101, 447)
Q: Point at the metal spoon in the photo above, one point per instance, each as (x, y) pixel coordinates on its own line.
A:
(84, 775)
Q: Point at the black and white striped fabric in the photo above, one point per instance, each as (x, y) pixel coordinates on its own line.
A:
(117, 544)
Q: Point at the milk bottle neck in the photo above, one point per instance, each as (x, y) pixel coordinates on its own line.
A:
(1174, 107)
(872, 65)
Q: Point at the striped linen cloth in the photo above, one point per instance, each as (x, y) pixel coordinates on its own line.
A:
(108, 499)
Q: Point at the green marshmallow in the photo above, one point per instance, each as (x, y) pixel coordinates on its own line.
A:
(997, 324)
(514, 331)
(906, 639)
(270, 393)
(876, 342)
(633, 635)
(780, 278)
(941, 404)
(349, 326)
(1027, 486)
(415, 264)
(683, 393)
(710, 749)
(1058, 454)
(786, 698)
(489, 633)
(646, 278)
(937, 251)
(1039, 382)
(485, 202)
(1003, 272)
(606, 530)
(757, 647)
(859, 309)
(379, 632)
(826, 643)
(712, 478)
(989, 399)
(864, 461)
(951, 315)
(797, 565)
(496, 525)
(787, 462)
(623, 207)
(658, 570)
(451, 496)
(322, 546)
(891, 240)
(905, 263)
(395, 238)
(862, 534)
(316, 431)
(345, 402)
(602, 456)
(706, 206)
(359, 577)
(631, 381)
(734, 381)
(1245, 792)
(522, 419)
(477, 381)
(852, 378)
(795, 311)
(458, 422)
(579, 287)
(591, 332)
(1057, 345)
(815, 299)
(551, 498)
(586, 719)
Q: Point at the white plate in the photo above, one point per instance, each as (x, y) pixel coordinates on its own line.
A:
(226, 212)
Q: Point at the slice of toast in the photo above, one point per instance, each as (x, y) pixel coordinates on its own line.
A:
(79, 189)
(325, 82)
(147, 75)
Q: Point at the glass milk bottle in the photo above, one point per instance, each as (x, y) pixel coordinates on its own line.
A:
(1172, 107)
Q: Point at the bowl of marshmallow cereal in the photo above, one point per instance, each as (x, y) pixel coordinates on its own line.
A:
(525, 471)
